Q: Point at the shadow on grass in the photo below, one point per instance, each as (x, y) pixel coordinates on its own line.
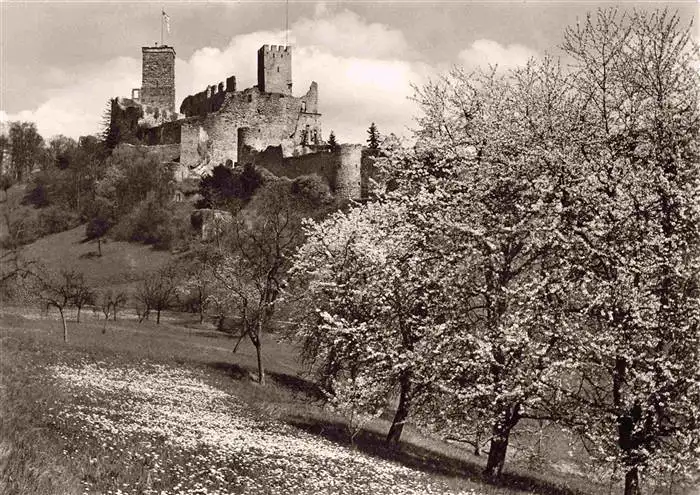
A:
(424, 459)
(372, 443)
(235, 371)
(292, 383)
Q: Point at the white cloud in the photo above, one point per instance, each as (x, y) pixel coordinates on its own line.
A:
(76, 108)
(347, 34)
(359, 67)
(364, 71)
(488, 52)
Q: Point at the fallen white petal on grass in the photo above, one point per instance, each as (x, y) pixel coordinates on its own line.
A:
(228, 448)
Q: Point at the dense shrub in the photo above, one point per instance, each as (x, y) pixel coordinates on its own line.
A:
(132, 176)
(26, 224)
(55, 219)
(313, 188)
(150, 223)
(227, 189)
(37, 194)
(22, 228)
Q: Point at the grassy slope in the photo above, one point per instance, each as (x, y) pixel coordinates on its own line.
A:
(121, 263)
(30, 341)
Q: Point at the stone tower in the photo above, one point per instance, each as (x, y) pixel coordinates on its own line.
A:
(275, 69)
(158, 80)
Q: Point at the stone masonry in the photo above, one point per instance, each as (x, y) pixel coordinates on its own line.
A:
(265, 124)
(275, 69)
(158, 77)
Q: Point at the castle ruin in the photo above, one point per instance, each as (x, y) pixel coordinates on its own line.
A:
(265, 125)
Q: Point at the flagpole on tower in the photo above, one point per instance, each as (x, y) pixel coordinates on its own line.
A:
(286, 27)
(164, 22)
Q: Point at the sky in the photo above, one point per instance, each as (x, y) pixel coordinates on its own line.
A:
(61, 61)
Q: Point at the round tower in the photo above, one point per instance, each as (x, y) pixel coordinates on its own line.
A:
(348, 175)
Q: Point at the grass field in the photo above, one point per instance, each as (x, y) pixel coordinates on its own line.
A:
(121, 264)
(129, 408)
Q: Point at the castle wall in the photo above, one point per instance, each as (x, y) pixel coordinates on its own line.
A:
(341, 169)
(124, 117)
(139, 124)
(193, 143)
(275, 69)
(166, 134)
(276, 119)
(349, 176)
(158, 77)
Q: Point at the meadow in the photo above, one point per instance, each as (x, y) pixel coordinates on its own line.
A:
(144, 408)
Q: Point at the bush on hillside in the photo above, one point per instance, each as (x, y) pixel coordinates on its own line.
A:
(132, 176)
(22, 228)
(38, 193)
(54, 219)
(226, 189)
(100, 221)
(150, 223)
(313, 188)
(27, 224)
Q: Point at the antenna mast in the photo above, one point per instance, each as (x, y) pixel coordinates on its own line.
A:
(286, 27)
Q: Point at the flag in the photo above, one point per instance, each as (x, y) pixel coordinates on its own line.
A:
(166, 20)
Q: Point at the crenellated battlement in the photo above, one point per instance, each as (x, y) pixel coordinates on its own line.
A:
(263, 124)
(276, 48)
(275, 69)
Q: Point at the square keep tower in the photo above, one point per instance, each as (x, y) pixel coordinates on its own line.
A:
(158, 77)
(275, 69)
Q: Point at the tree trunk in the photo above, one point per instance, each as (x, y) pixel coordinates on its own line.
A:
(158, 317)
(77, 318)
(99, 246)
(258, 353)
(397, 424)
(632, 481)
(201, 306)
(240, 339)
(500, 435)
(497, 455)
(65, 328)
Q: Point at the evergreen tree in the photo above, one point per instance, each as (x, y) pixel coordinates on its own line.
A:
(332, 143)
(110, 132)
(373, 139)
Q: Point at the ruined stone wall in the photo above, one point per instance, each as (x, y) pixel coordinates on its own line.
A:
(158, 77)
(349, 177)
(124, 117)
(275, 69)
(340, 169)
(207, 101)
(276, 119)
(165, 134)
(194, 142)
(139, 124)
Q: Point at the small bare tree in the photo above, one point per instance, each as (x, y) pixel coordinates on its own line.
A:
(58, 290)
(106, 302)
(157, 293)
(82, 295)
(118, 300)
(252, 270)
(198, 281)
(110, 302)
